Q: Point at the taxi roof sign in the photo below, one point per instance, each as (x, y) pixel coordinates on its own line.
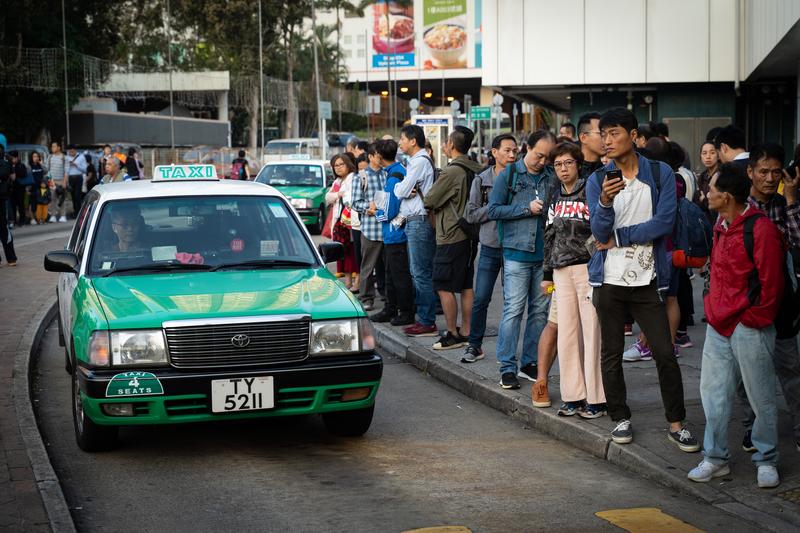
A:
(175, 173)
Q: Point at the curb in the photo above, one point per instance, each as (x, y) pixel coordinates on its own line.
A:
(46, 480)
(632, 457)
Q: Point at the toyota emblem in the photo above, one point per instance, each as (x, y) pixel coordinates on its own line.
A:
(240, 341)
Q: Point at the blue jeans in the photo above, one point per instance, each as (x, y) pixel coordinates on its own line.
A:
(490, 262)
(521, 283)
(747, 351)
(421, 249)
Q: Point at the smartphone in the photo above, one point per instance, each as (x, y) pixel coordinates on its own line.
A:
(791, 169)
(615, 174)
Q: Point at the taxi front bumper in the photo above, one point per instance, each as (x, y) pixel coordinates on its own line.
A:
(315, 386)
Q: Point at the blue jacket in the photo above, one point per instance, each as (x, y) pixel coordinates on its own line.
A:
(516, 229)
(391, 234)
(655, 230)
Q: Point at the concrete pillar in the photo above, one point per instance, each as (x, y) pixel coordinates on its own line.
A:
(222, 111)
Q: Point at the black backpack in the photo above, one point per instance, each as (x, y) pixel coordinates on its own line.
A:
(787, 321)
(472, 230)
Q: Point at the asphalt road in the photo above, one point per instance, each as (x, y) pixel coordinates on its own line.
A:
(431, 458)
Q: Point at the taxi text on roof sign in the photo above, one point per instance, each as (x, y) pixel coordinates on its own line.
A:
(184, 173)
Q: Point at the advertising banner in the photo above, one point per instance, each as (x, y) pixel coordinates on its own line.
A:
(424, 35)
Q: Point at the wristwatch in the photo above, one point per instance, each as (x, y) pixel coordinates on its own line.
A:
(527, 211)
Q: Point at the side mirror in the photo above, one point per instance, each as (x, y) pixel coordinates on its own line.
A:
(331, 251)
(62, 261)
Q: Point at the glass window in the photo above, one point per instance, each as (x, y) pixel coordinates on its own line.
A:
(361, 39)
(347, 39)
(81, 222)
(291, 175)
(347, 53)
(360, 52)
(198, 233)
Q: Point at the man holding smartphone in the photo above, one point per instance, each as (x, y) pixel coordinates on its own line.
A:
(632, 206)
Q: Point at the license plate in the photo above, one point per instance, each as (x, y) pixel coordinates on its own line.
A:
(242, 394)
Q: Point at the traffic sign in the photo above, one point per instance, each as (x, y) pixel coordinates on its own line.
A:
(325, 110)
(481, 113)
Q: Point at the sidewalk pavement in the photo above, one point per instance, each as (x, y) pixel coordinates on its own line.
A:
(30, 496)
(651, 454)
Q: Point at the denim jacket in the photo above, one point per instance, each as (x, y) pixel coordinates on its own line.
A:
(516, 229)
(601, 218)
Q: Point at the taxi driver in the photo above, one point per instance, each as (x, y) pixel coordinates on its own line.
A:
(128, 225)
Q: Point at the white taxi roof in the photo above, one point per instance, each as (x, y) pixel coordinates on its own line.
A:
(321, 162)
(127, 190)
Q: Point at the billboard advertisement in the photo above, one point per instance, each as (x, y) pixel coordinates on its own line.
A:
(425, 35)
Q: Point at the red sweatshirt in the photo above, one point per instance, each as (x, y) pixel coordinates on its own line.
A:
(726, 304)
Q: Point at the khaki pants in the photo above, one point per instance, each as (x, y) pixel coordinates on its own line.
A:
(578, 336)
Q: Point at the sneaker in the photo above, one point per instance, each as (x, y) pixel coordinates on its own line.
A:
(637, 352)
(539, 394)
(629, 330)
(509, 381)
(448, 341)
(622, 433)
(676, 351)
(747, 441)
(767, 477)
(368, 306)
(569, 408)
(705, 471)
(34, 223)
(420, 330)
(472, 354)
(62, 219)
(403, 319)
(381, 317)
(52, 218)
(684, 440)
(528, 372)
(683, 340)
(593, 410)
(12, 263)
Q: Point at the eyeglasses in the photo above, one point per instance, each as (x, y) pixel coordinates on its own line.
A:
(564, 164)
(340, 164)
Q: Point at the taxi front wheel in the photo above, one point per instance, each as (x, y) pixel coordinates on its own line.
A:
(349, 423)
(91, 437)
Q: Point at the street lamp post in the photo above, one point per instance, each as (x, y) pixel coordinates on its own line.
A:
(261, 79)
(66, 78)
(322, 140)
(171, 101)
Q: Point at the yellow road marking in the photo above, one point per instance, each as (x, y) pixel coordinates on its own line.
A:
(440, 529)
(646, 519)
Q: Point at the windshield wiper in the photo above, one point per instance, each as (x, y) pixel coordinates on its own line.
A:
(158, 268)
(264, 263)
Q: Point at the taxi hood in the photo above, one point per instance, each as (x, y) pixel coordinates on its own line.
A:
(146, 301)
(296, 191)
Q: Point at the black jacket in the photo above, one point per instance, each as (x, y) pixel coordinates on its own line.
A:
(567, 234)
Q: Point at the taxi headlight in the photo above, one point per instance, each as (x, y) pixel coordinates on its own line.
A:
(301, 203)
(341, 336)
(98, 349)
(138, 347)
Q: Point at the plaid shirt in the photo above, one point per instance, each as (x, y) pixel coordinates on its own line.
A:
(363, 193)
(787, 218)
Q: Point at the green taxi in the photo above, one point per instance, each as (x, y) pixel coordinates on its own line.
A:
(304, 183)
(189, 299)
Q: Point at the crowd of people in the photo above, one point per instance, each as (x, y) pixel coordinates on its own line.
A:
(591, 231)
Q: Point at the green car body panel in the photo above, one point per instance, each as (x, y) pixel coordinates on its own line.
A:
(314, 193)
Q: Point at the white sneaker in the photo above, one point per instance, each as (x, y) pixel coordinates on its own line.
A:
(52, 218)
(705, 471)
(62, 219)
(767, 477)
(637, 352)
(34, 223)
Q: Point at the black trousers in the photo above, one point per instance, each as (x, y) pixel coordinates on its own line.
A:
(685, 298)
(399, 288)
(648, 310)
(76, 193)
(18, 201)
(5, 234)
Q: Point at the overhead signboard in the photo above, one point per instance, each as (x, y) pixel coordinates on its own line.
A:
(481, 113)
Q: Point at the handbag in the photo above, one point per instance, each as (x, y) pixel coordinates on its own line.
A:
(326, 229)
(341, 233)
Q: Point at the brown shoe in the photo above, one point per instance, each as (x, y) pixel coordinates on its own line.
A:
(539, 394)
(12, 263)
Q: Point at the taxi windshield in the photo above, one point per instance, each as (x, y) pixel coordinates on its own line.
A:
(146, 235)
(302, 175)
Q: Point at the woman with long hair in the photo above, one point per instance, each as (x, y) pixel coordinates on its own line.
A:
(338, 199)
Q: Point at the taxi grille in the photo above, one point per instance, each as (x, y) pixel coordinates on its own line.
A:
(214, 345)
